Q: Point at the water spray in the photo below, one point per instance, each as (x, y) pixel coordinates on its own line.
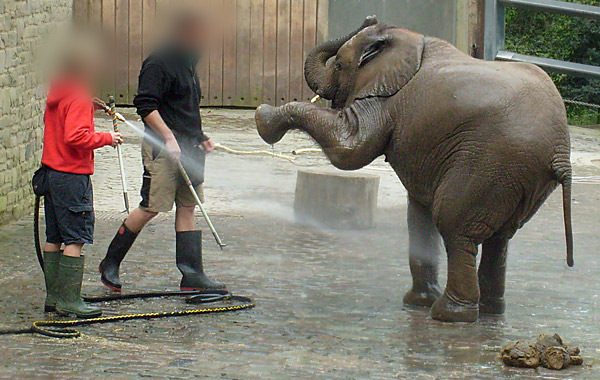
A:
(117, 116)
(112, 112)
(64, 328)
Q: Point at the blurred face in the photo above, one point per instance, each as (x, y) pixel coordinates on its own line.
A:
(85, 59)
(94, 70)
(192, 34)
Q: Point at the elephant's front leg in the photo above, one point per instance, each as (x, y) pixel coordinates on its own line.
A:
(424, 250)
(460, 302)
(492, 275)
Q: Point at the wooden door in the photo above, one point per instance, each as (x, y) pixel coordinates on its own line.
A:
(259, 57)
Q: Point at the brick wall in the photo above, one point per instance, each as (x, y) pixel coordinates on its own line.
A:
(23, 26)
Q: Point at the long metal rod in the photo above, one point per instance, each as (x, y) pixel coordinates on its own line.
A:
(494, 27)
(186, 178)
(561, 67)
(190, 185)
(113, 113)
(552, 6)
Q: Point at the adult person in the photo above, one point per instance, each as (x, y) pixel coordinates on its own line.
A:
(168, 102)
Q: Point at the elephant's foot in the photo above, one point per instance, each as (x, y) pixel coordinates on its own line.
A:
(446, 309)
(422, 297)
(492, 305)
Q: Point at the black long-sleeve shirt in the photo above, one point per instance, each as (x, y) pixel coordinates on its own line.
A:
(169, 84)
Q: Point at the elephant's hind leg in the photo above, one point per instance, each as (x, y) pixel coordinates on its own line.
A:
(492, 275)
(424, 250)
(460, 302)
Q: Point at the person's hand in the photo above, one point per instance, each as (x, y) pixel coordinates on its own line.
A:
(117, 139)
(207, 145)
(99, 103)
(173, 148)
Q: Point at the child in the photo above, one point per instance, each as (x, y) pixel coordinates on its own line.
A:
(68, 155)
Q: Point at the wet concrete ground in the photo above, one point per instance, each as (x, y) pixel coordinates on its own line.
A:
(329, 303)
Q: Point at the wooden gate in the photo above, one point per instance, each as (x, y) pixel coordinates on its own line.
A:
(259, 60)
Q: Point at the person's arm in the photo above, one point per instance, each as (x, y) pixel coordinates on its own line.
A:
(158, 125)
(78, 128)
(154, 82)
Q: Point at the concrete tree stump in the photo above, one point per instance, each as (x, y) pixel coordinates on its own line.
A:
(336, 199)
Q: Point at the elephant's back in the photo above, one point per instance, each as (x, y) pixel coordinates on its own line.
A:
(491, 117)
(504, 101)
(457, 83)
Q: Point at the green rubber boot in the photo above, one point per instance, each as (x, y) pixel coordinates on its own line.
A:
(51, 264)
(69, 302)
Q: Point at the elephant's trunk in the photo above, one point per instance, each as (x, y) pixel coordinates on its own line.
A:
(317, 74)
(351, 138)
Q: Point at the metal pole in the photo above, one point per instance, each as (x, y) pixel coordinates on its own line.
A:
(493, 29)
(113, 113)
(553, 6)
(554, 65)
(184, 174)
(190, 185)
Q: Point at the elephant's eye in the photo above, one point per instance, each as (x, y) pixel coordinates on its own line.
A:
(338, 65)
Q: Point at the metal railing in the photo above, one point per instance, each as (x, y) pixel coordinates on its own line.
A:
(494, 34)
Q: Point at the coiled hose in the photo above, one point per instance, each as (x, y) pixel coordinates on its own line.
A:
(64, 328)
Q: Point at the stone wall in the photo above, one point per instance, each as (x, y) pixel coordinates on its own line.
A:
(23, 26)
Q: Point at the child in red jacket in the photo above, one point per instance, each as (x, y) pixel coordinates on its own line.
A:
(68, 157)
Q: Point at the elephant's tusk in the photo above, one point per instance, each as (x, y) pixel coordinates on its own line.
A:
(315, 99)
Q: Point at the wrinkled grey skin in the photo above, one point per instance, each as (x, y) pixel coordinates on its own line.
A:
(478, 145)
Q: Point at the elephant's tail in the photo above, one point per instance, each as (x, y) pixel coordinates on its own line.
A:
(564, 175)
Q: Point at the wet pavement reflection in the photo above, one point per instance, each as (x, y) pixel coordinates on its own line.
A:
(329, 303)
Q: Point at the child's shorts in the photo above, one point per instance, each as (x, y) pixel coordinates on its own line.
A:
(69, 208)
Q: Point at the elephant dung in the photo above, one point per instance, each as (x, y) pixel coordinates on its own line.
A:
(545, 341)
(548, 351)
(556, 358)
(520, 354)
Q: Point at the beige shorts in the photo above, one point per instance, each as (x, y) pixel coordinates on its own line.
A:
(162, 184)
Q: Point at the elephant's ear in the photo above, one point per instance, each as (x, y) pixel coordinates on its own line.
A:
(387, 72)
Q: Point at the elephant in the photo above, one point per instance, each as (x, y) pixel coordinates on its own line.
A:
(478, 145)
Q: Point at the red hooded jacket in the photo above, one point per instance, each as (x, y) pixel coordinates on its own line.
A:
(69, 134)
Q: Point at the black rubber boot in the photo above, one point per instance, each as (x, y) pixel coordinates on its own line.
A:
(69, 302)
(118, 248)
(51, 265)
(189, 262)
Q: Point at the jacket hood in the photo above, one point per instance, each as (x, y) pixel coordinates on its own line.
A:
(64, 88)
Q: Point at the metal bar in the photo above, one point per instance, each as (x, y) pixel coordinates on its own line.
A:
(493, 29)
(494, 34)
(111, 111)
(115, 122)
(212, 228)
(552, 6)
(554, 65)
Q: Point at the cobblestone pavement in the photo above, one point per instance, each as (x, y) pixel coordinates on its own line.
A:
(329, 303)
